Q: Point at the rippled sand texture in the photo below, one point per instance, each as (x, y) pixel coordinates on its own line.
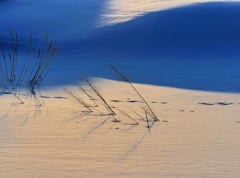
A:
(197, 136)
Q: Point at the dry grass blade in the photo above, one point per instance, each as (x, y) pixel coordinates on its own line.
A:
(88, 95)
(147, 119)
(79, 101)
(13, 93)
(106, 105)
(134, 88)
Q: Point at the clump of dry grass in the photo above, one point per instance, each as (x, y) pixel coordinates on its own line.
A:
(88, 89)
(24, 64)
(145, 117)
(95, 100)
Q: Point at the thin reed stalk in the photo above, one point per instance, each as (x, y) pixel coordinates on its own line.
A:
(88, 95)
(106, 105)
(80, 101)
(134, 88)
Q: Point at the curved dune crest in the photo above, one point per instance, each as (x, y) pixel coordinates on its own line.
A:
(205, 30)
(125, 10)
(180, 47)
(193, 47)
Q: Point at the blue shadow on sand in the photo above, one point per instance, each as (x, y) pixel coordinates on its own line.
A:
(192, 47)
(195, 31)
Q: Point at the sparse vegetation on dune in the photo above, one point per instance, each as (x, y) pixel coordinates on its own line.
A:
(25, 65)
(90, 98)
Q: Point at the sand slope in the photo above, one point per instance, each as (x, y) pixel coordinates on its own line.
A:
(197, 136)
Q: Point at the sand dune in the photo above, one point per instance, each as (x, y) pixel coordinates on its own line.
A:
(193, 47)
(197, 135)
(116, 11)
(184, 61)
(187, 47)
(180, 32)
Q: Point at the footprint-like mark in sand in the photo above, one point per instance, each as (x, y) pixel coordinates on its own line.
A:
(207, 104)
(134, 101)
(45, 97)
(59, 97)
(182, 110)
(163, 102)
(5, 93)
(116, 101)
(56, 97)
(155, 102)
(224, 104)
(217, 103)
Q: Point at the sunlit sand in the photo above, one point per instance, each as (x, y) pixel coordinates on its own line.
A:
(67, 111)
(197, 135)
(117, 11)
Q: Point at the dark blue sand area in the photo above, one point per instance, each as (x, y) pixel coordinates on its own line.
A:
(192, 47)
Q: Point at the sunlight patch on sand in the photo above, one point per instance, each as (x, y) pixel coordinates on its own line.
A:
(197, 135)
(117, 11)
